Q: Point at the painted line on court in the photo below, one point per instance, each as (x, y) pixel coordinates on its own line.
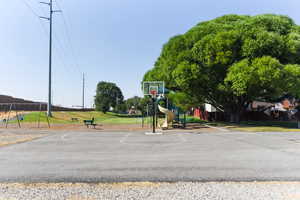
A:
(124, 138)
(150, 133)
(182, 138)
(220, 129)
(63, 137)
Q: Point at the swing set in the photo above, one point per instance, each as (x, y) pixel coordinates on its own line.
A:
(11, 112)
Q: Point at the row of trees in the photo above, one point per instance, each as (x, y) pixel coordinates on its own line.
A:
(109, 96)
(231, 61)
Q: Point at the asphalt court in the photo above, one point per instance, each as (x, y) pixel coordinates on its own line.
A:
(170, 157)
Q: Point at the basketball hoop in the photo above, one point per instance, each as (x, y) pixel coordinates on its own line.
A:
(153, 88)
(153, 93)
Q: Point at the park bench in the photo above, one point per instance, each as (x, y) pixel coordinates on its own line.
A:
(74, 119)
(90, 123)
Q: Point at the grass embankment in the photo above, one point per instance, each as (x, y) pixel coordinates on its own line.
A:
(66, 118)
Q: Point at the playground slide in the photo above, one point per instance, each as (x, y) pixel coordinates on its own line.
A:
(170, 116)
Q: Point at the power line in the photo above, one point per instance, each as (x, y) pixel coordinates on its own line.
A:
(67, 32)
(34, 13)
(64, 46)
(30, 8)
(83, 90)
(59, 48)
(56, 38)
(60, 45)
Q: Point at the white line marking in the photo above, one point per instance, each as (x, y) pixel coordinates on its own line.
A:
(150, 133)
(182, 138)
(124, 138)
(220, 129)
(63, 138)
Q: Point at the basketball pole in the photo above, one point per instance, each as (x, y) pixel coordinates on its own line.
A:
(153, 88)
(154, 115)
(83, 92)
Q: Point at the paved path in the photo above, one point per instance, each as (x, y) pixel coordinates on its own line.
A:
(114, 157)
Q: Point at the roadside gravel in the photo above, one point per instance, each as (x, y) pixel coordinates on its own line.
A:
(153, 191)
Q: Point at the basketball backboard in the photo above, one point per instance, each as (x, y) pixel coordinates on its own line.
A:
(153, 88)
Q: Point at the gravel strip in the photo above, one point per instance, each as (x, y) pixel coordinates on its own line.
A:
(145, 191)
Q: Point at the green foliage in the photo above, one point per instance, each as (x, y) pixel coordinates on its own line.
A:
(182, 100)
(107, 95)
(263, 77)
(232, 60)
(138, 103)
(292, 79)
(121, 108)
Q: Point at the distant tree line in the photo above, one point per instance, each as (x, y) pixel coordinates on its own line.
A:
(110, 97)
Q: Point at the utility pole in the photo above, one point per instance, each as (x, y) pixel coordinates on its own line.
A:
(50, 4)
(83, 88)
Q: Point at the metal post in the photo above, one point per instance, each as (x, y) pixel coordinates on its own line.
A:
(148, 120)
(39, 117)
(184, 120)
(154, 115)
(83, 88)
(8, 116)
(49, 111)
(17, 115)
(50, 4)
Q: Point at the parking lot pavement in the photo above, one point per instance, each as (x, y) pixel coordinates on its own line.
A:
(121, 157)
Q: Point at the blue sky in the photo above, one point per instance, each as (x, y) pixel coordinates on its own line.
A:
(110, 40)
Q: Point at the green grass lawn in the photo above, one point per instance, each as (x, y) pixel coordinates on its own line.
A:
(192, 119)
(258, 126)
(112, 118)
(66, 118)
(263, 129)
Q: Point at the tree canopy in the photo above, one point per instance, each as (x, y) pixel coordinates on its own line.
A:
(107, 95)
(233, 60)
(137, 103)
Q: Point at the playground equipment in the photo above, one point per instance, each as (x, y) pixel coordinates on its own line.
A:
(170, 116)
(156, 90)
(16, 112)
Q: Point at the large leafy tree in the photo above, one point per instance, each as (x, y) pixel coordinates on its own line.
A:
(134, 102)
(233, 60)
(108, 95)
(138, 103)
